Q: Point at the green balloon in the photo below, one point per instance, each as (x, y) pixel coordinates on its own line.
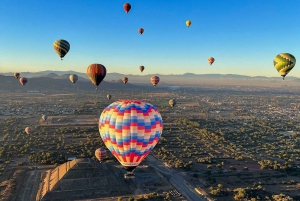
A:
(284, 63)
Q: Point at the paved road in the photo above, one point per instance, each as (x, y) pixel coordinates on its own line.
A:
(176, 179)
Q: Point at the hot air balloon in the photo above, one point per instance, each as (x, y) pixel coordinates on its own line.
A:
(141, 31)
(284, 63)
(172, 102)
(154, 80)
(73, 78)
(127, 7)
(211, 60)
(44, 117)
(96, 73)
(23, 80)
(108, 96)
(28, 130)
(130, 129)
(142, 68)
(125, 80)
(188, 23)
(61, 47)
(100, 154)
(17, 75)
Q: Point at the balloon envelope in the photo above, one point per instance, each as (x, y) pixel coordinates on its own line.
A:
(130, 129)
(108, 96)
(188, 23)
(23, 80)
(154, 80)
(141, 30)
(61, 47)
(142, 68)
(73, 78)
(211, 60)
(17, 75)
(172, 102)
(100, 154)
(44, 117)
(125, 80)
(28, 130)
(284, 63)
(127, 7)
(96, 73)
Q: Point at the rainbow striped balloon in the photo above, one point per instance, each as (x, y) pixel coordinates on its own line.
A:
(130, 129)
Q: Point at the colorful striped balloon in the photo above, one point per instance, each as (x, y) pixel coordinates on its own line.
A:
(100, 154)
(130, 129)
(96, 73)
(284, 63)
(61, 47)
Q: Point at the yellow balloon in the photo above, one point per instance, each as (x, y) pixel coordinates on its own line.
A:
(188, 23)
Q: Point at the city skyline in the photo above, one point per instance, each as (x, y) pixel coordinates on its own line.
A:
(244, 38)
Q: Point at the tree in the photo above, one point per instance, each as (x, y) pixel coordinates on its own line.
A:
(282, 197)
(168, 197)
(220, 186)
(240, 194)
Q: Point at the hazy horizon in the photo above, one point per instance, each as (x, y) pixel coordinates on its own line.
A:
(144, 74)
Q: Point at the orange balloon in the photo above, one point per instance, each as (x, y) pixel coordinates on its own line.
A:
(141, 31)
(211, 60)
(125, 80)
(127, 7)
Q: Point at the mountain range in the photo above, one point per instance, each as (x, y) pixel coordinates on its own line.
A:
(59, 80)
(138, 78)
(54, 82)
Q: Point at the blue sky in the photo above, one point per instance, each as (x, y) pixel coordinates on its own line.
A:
(242, 35)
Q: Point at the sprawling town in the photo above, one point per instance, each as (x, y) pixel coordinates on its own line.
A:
(218, 143)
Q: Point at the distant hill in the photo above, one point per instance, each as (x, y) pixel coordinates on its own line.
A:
(165, 80)
(62, 77)
(54, 82)
(117, 76)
